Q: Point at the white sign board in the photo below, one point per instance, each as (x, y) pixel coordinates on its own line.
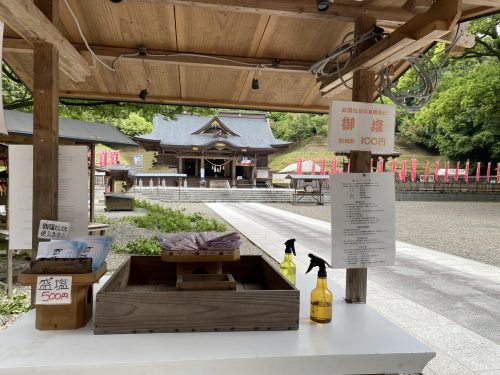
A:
(363, 220)
(53, 290)
(280, 178)
(361, 127)
(3, 126)
(53, 230)
(73, 192)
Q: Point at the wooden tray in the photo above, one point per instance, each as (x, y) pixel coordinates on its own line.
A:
(141, 297)
(28, 278)
(200, 255)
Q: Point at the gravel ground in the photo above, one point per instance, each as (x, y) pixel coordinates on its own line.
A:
(466, 229)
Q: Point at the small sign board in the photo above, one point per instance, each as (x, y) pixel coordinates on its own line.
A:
(361, 127)
(53, 230)
(53, 290)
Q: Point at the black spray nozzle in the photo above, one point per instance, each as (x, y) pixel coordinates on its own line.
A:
(290, 246)
(318, 262)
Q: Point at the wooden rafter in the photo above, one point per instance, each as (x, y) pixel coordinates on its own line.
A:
(30, 23)
(417, 33)
(193, 102)
(305, 9)
(174, 58)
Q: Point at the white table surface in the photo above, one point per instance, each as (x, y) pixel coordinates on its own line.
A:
(357, 341)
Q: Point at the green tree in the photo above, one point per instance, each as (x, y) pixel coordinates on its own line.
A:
(298, 126)
(464, 119)
(134, 125)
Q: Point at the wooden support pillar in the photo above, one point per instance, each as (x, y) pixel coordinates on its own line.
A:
(180, 165)
(92, 182)
(363, 90)
(45, 126)
(202, 167)
(254, 172)
(233, 170)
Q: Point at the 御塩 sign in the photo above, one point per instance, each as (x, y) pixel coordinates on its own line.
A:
(53, 230)
(361, 127)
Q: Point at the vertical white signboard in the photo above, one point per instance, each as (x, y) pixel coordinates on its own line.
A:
(363, 220)
(3, 127)
(73, 192)
(362, 127)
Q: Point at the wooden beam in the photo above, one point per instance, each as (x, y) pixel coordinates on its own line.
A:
(45, 128)
(171, 57)
(192, 102)
(466, 40)
(30, 23)
(363, 90)
(305, 9)
(420, 31)
(485, 3)
(417, 6)
(478, 12)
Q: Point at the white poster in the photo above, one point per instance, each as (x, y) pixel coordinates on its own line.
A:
(3, 127)
(53, 290)
(363, 220)
(361, 127)
(73, 192)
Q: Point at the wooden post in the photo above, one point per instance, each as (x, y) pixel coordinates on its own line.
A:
(180, 165)
(45, 126)
(233, 170)
(362, 91)
(92, 182)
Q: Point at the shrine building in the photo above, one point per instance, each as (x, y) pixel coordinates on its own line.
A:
(230, 146)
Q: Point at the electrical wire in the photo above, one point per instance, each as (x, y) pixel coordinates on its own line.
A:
(83, 37)
(427, 74)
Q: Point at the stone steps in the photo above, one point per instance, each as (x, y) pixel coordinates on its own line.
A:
(218, 195)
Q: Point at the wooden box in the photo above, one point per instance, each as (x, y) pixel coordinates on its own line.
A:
(141, 297)
(79, 311)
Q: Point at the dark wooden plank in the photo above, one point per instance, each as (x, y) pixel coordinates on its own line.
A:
(60, 266)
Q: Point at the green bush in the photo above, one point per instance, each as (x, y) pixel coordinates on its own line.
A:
(139, 246)
(17, 304)
(167, 220)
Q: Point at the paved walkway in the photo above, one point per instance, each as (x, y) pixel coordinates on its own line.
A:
(450, 303)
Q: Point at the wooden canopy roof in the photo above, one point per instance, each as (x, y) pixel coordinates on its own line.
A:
(241, 34)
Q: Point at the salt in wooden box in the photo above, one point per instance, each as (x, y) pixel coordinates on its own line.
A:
(141, 297)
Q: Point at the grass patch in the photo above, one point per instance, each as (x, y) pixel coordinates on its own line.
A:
(139, 246)
(17, 304)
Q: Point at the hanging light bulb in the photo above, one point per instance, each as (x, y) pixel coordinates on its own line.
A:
(255, 84)
(322, 5)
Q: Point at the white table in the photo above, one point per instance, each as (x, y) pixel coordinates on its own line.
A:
(357, 341)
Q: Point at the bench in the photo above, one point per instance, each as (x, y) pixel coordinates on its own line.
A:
(97, 227)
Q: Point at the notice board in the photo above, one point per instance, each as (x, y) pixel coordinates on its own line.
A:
(73, 192)
(363, 220)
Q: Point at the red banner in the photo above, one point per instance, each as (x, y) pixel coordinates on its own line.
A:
(313, 167)
(393, 165)
(103, 158)
(333, 170)
(413, 172)
(348, 165)
(299, 166)
(380, 165)
(498, 172)
(456, 171)
(402, 173)
(322, 167)
(478, 171)
(436, 176)
(426, 169)
(466, 177)
(488, 168)
(371, 165)
(114, 156)
(446, 171)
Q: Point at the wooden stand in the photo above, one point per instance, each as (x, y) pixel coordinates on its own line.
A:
(79, 311)
(202, 270)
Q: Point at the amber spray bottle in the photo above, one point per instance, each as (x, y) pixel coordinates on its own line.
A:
(287, 267)
(321, 296)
